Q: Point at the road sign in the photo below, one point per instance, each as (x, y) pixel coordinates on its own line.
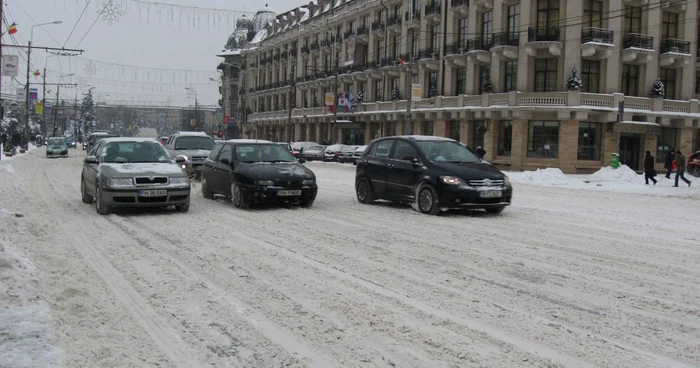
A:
(193, 122)
(416, 92)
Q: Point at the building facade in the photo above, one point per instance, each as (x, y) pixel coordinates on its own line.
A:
(537, 83)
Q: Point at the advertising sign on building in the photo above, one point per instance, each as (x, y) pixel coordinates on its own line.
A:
(10, 65)
(59, 114)
(328, 99)
(350, 50)
(416, 92)
(48, 107)
(39, 108)
(33, 94)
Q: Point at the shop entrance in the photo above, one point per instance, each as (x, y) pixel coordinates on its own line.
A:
(631, 150)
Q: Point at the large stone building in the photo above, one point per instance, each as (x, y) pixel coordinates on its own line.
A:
(489, 73)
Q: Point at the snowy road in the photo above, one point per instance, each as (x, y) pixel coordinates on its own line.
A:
(564, 278)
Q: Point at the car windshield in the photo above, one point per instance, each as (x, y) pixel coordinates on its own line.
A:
(99, 137)
(194, 143)
(250, 153)
(134, 152)
(446, 151)
(56, 141)
(286, 146)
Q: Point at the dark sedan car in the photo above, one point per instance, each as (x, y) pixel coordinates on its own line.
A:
(254, 171)
(432, 172)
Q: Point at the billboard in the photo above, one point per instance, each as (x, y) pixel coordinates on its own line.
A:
(10, 65)
(33, 94)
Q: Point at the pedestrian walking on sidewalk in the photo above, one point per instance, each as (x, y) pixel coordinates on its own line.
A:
(680, 173)
(668, 163)
(649, 171)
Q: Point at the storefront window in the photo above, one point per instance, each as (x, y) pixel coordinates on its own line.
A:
(543, 139)
(479, 129)
(312, 133)
(454, 130)
(353, 136)
(505, 138)
(302, 133)
(427, 128)
(665, 142)
(589, 138)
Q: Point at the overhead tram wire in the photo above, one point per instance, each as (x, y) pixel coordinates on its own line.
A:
(93, 23)
(77, 22)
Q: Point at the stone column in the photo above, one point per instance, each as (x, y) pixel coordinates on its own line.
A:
(568, 146)
(491, 140)
(440, 128)
(685, 141)
(465, 132)
(609, 141)
(519, 147)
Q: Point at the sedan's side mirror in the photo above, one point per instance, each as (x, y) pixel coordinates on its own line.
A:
(415, 162)
(91, 160)
(180, 159)
(302, 160)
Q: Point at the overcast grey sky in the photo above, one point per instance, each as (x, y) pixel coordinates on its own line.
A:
(146, 36)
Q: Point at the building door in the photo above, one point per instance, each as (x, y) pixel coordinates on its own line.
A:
(631, 150)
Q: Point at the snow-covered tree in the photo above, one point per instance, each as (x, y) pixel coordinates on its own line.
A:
(658, 89)
(574, 83)
(432, 92)
(395, 93)
(87, 109)
(486, 85)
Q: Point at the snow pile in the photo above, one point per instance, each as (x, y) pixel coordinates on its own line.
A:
(623, 174)
(23, 321)
(549, 176)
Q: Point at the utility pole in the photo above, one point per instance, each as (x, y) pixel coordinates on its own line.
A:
(196, 113)
(55, 110)
(26, 95)
(43, 109)
(2, 103)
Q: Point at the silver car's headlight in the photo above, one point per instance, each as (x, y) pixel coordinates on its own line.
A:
(179, 181)
(120, 182)
(308, 182)
(264, 182)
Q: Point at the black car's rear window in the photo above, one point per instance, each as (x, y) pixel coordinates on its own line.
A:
(194, 143)
(262, 153)
(446, 151)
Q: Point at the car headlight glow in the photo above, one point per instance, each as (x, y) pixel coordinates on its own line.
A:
(451, 180)
(179, 180)
(120, 182)
(264, 182)
(308, 182)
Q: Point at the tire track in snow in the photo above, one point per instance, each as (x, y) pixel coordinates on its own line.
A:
(162, 333)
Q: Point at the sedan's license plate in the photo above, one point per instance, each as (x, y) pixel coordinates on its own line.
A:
(491, 194)
(153, 193)
(288, 193)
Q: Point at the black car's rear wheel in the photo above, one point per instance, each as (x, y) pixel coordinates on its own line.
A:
(364, 192)
(237, 197)
(101, 207)
(87, 198)
(427, 200)
(206, 193)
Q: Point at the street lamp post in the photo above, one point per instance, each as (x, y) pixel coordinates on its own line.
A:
(29, 61)
(196, 107)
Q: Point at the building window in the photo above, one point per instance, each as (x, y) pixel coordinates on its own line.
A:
(665, 142)
(593, 13)
(391, 128)
(478, 133)
(461, 85)
(302, 133)
(397, 47)
(510, 76)
(513, 20)
(590, 75)
(380, 50)
(543, 139)
(589, 138)
(463, 34)
(427, 128)
(378, 90)
(668, 77)
(432, 84)
(632, 20)
(546, 75)
(435, 36)
(630, 79)
(486, 27)
(669, 25)
(505, 138)
(697, 85)
(415, 44)
(484, 74)
(547, 15)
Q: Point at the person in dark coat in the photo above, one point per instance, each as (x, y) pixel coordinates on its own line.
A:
(480, 151)
(649, 171)
(668, 163)
(680, 173)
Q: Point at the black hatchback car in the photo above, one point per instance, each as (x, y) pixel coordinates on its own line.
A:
(432, 172)
(253, 171)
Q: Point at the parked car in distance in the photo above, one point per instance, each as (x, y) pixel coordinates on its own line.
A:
(194, 146)
(256, 171)
(331, 153)
(300, 147)
(434, 173)
(345, 154)
(56, 147)
(314, 153)
(133, 172)
(164, 140)
(289, 148)
(694, 164)
(357, 154)
(70, 142)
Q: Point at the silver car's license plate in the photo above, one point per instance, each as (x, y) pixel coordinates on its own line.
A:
(492, 194)
(288, 193)
(153, 193)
